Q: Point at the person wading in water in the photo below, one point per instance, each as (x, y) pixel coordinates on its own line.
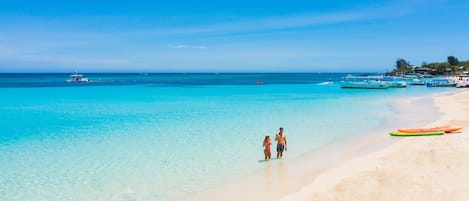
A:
(281, 143)
(267, 142)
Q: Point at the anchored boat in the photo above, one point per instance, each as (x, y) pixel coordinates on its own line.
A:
(75, 77)
(441, 83)
(364, 82)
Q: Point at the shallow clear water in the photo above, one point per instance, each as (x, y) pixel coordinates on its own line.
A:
(163, 137)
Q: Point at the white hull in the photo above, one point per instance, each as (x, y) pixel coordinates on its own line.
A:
(442, 83)
(365, 85)
(398, 84)
(75, 77)
(462, 84)
(80, 80)
(417, 82)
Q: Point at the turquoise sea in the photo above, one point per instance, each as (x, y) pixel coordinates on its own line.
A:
(166, 136)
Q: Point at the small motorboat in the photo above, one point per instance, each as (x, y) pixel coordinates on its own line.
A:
(364, 82)
(417, 81)
(75, 77)
(441, 83)
(398, 84)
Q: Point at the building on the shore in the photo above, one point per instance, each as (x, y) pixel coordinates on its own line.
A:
(423, 70)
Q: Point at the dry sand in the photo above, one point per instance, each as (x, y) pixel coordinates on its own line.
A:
(413, 168)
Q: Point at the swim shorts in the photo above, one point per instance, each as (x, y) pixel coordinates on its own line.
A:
(280, 147)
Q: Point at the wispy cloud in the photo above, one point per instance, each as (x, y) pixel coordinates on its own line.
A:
(259, 24)
(292, 21)
(180, 46)
(199, 47)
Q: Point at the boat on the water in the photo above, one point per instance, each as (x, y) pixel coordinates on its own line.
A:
(414, 79)
(462, 84)
(364, 82)
(398, 84)
(395, 81)
(441, 83)
(463, 81)
(75, 77)
(417, 81)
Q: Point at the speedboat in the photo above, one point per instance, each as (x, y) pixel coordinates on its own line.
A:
(463, 80)
(413, 79)
(364, 82)
(417, 81)
(395, 82)
(398, 84)
(464, 83)
(75, 77)
(442, 83)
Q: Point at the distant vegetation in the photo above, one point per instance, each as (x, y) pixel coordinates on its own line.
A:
(451, 66)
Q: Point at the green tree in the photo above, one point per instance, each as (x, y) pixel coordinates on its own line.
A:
(424, 64)
(402, 65)
(453, 61)
(439, 68)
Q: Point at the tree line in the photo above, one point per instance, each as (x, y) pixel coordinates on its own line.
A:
(451, 66)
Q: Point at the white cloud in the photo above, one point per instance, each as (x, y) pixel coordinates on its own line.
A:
(199, 47)
(180, 46)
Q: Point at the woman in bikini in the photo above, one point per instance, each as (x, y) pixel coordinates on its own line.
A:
(267, 142)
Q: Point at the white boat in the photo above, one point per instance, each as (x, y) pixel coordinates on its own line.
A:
(325, 83)
(417, 81)
(395, 82)
(398, 84)
(75, 77)
(443, 82)
(463, 81)
(462, 84)
(364, 82)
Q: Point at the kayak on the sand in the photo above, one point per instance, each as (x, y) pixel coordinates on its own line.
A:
(398, 133)
(446, 129)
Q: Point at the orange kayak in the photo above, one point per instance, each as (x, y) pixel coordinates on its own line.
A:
(446, 129)
(452, 129)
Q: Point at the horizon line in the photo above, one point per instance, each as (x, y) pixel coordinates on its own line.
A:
(193, 72)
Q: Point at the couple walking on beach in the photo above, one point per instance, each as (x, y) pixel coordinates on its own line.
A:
(281, 144)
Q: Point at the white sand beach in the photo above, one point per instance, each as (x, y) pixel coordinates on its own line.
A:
(414, 168)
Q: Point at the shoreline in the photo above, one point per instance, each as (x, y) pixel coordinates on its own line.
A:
(280, 178)
(412, 168)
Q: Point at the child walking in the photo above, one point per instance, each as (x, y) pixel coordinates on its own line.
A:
(267, 142)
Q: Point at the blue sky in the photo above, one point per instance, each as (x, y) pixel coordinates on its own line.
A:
(229, 36)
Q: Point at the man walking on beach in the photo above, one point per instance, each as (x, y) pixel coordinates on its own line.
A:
(281, 143)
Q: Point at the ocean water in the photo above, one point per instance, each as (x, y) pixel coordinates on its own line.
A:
(166, 136)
